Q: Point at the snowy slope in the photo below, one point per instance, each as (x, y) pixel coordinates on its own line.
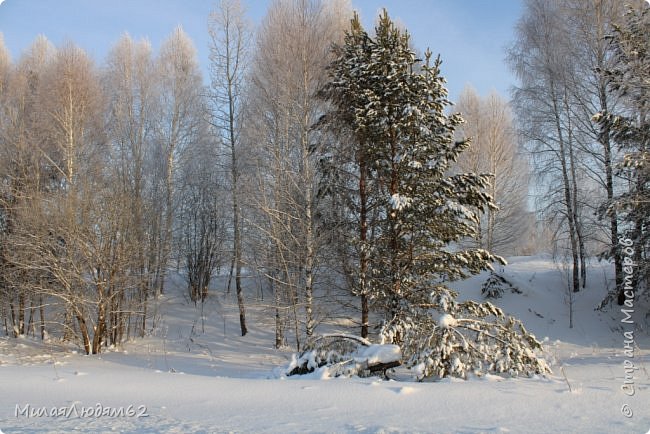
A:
(200, 376)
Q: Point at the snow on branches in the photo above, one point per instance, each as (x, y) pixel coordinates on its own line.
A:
(496, 285)
(469, 338)
(392, 107)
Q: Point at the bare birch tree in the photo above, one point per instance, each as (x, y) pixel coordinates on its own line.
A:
(201, 215)
(132, 90)
(494, 149)
(567, 42)
(541, 60)
(181, 114)
(293, 50)
(67, 239)
(230, 38)
(587, 25)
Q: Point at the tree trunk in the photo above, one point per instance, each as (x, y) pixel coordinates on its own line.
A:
(279, 330)
(363, 238)
(144, 302)
(309, 282)
(237, 233)
(42, 316)
(577, 224)
(167, 237)
(12, 310)
(567, 197)
(84, 333)
(235, 193)
(605, 141)
(310, 241)
(21, 313)
(394, 265)
(100, 328)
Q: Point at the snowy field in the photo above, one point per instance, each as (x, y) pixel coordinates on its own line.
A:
(190, 376)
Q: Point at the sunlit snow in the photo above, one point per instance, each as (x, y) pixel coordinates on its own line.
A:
(207, 378)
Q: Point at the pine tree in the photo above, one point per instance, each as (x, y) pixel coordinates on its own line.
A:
(394, 105)
(346, 166)
(630, 128)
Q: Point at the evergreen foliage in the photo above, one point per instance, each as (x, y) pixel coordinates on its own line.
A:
(630, 128)
(393, 105)
(496, 285)
(468, 339)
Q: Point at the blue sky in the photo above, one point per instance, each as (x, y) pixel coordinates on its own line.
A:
(470, 35)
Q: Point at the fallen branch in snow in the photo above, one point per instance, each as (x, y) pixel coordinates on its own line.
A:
(345, 355)
(383, 367)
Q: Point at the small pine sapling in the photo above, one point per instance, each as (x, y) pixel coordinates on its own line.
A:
(468, 338)
(496, 285)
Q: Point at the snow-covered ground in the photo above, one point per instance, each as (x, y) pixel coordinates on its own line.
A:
(195, 376)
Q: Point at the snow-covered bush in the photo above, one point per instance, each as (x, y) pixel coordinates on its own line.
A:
(496, 285)
(467, 338)
(344, 355)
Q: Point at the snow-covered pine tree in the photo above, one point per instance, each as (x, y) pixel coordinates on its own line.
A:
(394, 103)
(346, 165)
(629, 79)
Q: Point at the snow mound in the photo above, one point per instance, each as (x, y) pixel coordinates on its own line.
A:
(376, 354)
